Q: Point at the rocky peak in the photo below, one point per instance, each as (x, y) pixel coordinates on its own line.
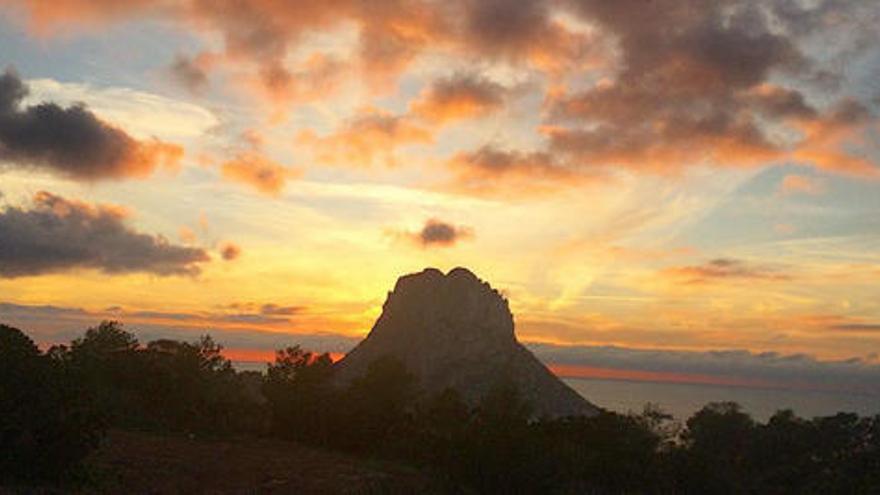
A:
(455, 330)
(453, 306)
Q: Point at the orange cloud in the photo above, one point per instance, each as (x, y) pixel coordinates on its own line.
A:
(319, 76)
(829, 139)
(230, 251)
(391, 34)
(721, 269)
(258, 172)
(369, 138)
(671, 98)
(457, 98)
(48, 17)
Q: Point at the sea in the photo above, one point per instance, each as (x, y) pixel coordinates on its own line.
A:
(682, 400)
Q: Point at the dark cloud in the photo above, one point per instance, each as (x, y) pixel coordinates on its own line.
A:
(439, 233)
(489, 162)
(505, 26)
(59, 234)
(189, 73)
(725, 269)
(72, 141)
(266, 309)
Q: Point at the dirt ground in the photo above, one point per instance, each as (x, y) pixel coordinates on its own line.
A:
(139, 463)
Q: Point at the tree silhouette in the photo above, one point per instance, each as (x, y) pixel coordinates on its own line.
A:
(299, 396)
(47, 424)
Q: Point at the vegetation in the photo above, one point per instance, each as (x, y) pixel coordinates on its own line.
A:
(56, 405)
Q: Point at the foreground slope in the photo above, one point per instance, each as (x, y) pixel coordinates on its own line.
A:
(455, 331)
(132, 462)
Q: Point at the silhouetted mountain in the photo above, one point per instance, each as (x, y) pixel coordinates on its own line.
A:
(455, 331)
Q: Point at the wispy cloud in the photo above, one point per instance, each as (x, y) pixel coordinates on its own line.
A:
(726, 269)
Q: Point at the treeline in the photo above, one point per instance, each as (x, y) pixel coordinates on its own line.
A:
(56, 405)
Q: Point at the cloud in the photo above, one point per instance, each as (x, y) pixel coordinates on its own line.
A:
(857, 327)
(317, 77)
(462, 96)
(72, 141)
(801, 184)
(236, 329)
(768, 369)
(58, 234)
(390, 33)
(190, 73)
(491, 170)
(275, 309)
(265, 309)
(699, 93)
(729, 85)
(720, 269)
(258, 172)
(437, 233)
(367, 139)
(517, 31)
(142, 114)
(230, 251)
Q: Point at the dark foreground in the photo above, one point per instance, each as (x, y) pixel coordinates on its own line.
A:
(63, 411)
(135, 463)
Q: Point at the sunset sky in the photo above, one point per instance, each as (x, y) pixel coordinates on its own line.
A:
(658, 178)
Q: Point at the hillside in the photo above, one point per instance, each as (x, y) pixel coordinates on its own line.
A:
(130, 462)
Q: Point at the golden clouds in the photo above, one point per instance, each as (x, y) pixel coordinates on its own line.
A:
(725, 269)
(367, 139)
(259, 172)
(704, 93)
(458, 97)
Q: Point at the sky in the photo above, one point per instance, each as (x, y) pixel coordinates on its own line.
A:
(670, 187)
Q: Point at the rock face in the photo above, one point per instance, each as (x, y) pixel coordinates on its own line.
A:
(455, 331)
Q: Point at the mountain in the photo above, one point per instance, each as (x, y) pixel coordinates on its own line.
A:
(456, 331)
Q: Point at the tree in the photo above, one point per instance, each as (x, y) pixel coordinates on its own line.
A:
(719, 439)
(47, 423)
(298, 394)
(378, 406)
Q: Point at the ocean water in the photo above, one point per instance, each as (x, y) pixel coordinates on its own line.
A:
(682, 400)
